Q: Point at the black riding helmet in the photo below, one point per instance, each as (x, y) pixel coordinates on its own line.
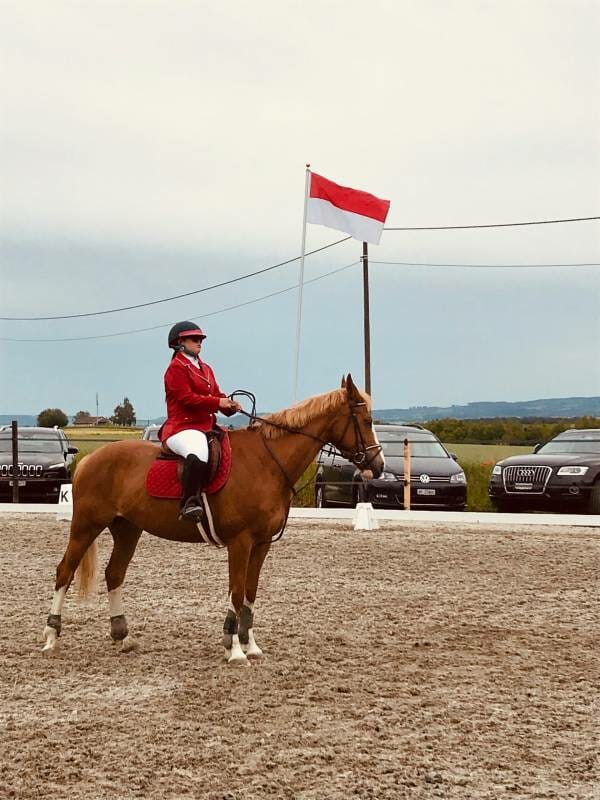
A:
(185, 328)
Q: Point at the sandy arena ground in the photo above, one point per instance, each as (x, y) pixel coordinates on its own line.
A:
(447, 662)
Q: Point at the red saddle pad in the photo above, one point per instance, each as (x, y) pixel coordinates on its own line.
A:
(162, 480)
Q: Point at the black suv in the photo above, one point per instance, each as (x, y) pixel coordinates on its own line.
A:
(44, 462)
(561, 475)
(437, 481)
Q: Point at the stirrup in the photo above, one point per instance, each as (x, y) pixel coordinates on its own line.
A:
(192, 510)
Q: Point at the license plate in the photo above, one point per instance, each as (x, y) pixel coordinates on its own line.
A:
(523, 487)
(21, 483)
(426, 491)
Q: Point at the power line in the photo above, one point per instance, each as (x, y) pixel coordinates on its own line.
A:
(290, 261)
(484, 266)
(493, 225)
(168, 324)
(176, 296)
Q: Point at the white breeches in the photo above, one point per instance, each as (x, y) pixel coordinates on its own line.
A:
(186, 443)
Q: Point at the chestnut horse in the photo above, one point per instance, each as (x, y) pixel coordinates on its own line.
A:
(268, 458)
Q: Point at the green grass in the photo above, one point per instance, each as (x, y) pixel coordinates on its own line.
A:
(485, 453)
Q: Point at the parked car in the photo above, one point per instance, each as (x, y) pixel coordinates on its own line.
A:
(44, 460)
(560, 475)
(151, 433)
(437, 480)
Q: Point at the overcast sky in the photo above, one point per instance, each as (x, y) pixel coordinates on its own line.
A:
(153, 148)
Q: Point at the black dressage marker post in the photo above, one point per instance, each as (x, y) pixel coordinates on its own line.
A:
(15, 462)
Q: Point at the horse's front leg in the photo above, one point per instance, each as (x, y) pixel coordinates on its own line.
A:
(246, 626)
(238, 553)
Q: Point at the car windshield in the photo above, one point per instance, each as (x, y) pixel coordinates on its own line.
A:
(418, 449)
(571, 446)
(31, 444)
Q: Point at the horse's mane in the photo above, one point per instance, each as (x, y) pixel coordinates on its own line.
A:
(299, 415)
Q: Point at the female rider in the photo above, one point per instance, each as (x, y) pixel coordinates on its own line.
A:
(193, 398)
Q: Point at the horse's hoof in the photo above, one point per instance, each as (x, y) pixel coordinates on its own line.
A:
(237, 659)
(50, 638)
(253, 652)
(129, 645)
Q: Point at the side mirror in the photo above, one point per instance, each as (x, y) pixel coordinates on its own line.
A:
(537, 447)
(454, 456)
(72, 451)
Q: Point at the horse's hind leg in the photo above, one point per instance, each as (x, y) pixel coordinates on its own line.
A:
(81, 552)
(125, 537)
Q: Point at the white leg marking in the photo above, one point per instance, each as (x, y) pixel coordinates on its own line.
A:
(237, 655)
(49, 639)
(50, 635)
(115, 602)
(252, 650)
(58, 600)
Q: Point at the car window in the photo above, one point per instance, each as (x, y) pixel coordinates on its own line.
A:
(571, 446)
(38, 443)
(418, 448)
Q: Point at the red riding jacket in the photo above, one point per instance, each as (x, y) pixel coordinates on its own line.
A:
(192, 397)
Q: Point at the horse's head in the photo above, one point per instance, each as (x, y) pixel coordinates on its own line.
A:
(353, 433)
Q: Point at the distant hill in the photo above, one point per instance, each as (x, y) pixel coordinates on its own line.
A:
(550, 407)
(547, 408)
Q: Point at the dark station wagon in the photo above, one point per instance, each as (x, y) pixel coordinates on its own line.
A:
(44, 461)
(437, 481)
(560, 475)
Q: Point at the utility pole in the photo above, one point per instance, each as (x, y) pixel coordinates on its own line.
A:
(97, 414)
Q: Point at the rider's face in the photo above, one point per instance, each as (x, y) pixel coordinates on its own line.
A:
(192, 344)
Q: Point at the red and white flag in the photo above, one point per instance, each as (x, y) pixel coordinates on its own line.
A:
(360, 214)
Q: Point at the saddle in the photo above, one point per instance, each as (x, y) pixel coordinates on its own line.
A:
(164, 476)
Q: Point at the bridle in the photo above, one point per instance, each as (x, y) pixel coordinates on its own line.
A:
(359, 457)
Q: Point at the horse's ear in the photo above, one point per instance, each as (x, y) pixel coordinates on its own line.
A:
(343, 382)
(350, 387)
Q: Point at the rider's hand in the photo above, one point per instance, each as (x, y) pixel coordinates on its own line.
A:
(228, 406)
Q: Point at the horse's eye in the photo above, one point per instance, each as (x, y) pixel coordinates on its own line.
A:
(369, 421)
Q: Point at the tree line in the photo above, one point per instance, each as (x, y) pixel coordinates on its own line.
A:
(123, 415)
(505, 431)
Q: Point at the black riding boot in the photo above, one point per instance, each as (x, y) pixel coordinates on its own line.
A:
(194, 477)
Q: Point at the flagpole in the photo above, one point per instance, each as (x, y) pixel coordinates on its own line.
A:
(366, 317)
(301, 283)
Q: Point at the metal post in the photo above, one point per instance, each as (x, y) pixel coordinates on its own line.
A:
(301, 282)
(367, 319)
(15, 461)
(406, 475)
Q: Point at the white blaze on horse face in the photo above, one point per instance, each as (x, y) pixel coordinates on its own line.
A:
(380, 447)
(115, 602)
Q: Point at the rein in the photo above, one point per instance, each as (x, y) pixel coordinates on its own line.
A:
(358, 458)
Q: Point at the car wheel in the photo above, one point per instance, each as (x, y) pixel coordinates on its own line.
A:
(594, 501)
(320, 500)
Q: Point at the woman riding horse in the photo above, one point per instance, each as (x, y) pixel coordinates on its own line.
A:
(267, 461)
(193, 398)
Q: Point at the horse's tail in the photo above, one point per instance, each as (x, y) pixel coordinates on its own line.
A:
(87, 572)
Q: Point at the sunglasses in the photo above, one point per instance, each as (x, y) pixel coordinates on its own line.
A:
(194, 338)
